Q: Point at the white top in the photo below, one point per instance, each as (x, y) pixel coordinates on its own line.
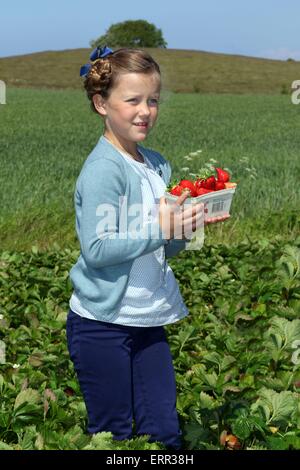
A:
(152, 297)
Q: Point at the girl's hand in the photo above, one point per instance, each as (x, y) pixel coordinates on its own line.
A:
(180, 222)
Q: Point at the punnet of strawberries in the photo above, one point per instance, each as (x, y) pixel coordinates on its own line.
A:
(206, 181)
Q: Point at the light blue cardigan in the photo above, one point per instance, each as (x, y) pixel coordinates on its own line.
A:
(101, 272)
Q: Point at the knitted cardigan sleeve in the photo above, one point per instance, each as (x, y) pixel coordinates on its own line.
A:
(97, 202)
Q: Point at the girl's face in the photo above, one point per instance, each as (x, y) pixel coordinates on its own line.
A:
(131, 109)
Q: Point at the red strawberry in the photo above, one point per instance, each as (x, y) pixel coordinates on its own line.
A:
(190, 186)
(230, 441)
(209, 183)
(199, 184)
(176, 190)
(172, 185)
(219, 185)
(201, 191)
(222, 175)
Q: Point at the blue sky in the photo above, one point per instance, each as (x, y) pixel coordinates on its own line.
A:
(259, 28)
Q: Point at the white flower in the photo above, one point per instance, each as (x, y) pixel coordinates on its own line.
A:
(16, 366)
(185, 168)
(193, 154)
(1, 317)
(187, 158)
(209, 166)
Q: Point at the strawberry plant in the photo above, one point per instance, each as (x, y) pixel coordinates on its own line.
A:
(238, 386)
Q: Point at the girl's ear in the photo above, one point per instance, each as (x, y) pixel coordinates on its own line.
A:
(99, 104)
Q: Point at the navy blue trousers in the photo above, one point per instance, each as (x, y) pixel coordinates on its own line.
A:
(125, 373)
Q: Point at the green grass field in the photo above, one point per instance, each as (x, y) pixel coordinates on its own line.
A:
(47, 134)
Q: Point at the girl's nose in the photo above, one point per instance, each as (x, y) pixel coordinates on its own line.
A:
(144, 110)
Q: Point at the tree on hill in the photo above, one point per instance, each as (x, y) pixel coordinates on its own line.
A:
(131, 33)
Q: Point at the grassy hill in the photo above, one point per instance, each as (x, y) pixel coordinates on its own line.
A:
(183, 71)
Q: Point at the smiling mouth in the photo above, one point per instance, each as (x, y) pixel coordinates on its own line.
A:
(141, 124)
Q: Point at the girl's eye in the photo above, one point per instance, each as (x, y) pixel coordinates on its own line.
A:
(154, 101)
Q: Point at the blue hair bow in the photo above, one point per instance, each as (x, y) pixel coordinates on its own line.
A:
(97, 53)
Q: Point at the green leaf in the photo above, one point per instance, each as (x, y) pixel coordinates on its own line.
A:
(282, 334)
(277, 408)
(206, 401)
(100, 441)
(29, 395)
(259, 311)
(1, 383)
(242, 426)
(185, 334)
(213, 357)
(195, 434)
(4, 446)
(289, 263)
(277, 443)
(28, 439)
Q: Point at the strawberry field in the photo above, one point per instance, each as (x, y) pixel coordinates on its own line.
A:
(237, 354)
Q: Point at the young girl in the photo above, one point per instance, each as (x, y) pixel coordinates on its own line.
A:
(124, 289)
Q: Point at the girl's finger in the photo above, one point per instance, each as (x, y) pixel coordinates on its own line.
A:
(180, 200)
(213, 220)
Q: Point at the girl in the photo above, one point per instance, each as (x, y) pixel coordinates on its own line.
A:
(124, 289)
